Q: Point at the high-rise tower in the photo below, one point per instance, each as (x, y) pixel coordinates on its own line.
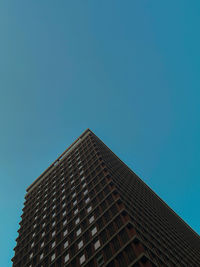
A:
(89, 209)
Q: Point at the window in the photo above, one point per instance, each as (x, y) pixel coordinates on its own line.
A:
(65, 221)
(63, 190)
(34, 225)
(41, 256)
(67, 257)
(82, 259)
(66, 244)
(91, 219)
(78, 232)
(53, 234)
(43, 224)
(63, 197)
(87, 200)
(82, 179)
(89, 209)
(81, 172)
(64, 205)
(72, 181)
(75, 202)
(94, 231)
(53, 257)
(97, 244)
(54, 199)
(31, 255)
(32, 244)
(64, 213)
(54, 206)
(80, 244)
(77, 221)
(53, 224)
(65, 232)
(53, 244)
(45, 208)
(74, 195)
(84, 185)
(44, 216)
(85, 192)
(76, 211)
(53, 215)
(43, 233)
(42, 244)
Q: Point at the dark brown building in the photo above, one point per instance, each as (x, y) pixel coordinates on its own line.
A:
(88, 208)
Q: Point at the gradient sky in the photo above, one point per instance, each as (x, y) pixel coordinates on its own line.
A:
(128, 70)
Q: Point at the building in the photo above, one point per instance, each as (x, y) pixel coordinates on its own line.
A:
(89, 209)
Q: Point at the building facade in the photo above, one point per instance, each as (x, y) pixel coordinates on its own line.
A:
(89, 209)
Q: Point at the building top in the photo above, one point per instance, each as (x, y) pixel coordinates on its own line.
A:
(61, 157)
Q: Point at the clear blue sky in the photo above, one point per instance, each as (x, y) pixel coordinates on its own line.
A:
(129, 70)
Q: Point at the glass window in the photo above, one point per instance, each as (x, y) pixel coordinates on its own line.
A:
(87, 200)
(77, 220)
(82, 259)
(53, 256)
(97, 245)
(43, 233)
(66, 244)
(78, 232)
(75, 202)
(64, 213)
(74, 195)
(76, 211)
(53, 224)
(53, 244)
(80, 244)
(41, 256)
(65, 232)
(31, 255)
(42, 244)
(54, 232)
(82, 179)
(65, 221)
(32, 244)
(89, 209)
(67, 257)
(91, 219)
(84, 185)
(85, 192)
(94, 231)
